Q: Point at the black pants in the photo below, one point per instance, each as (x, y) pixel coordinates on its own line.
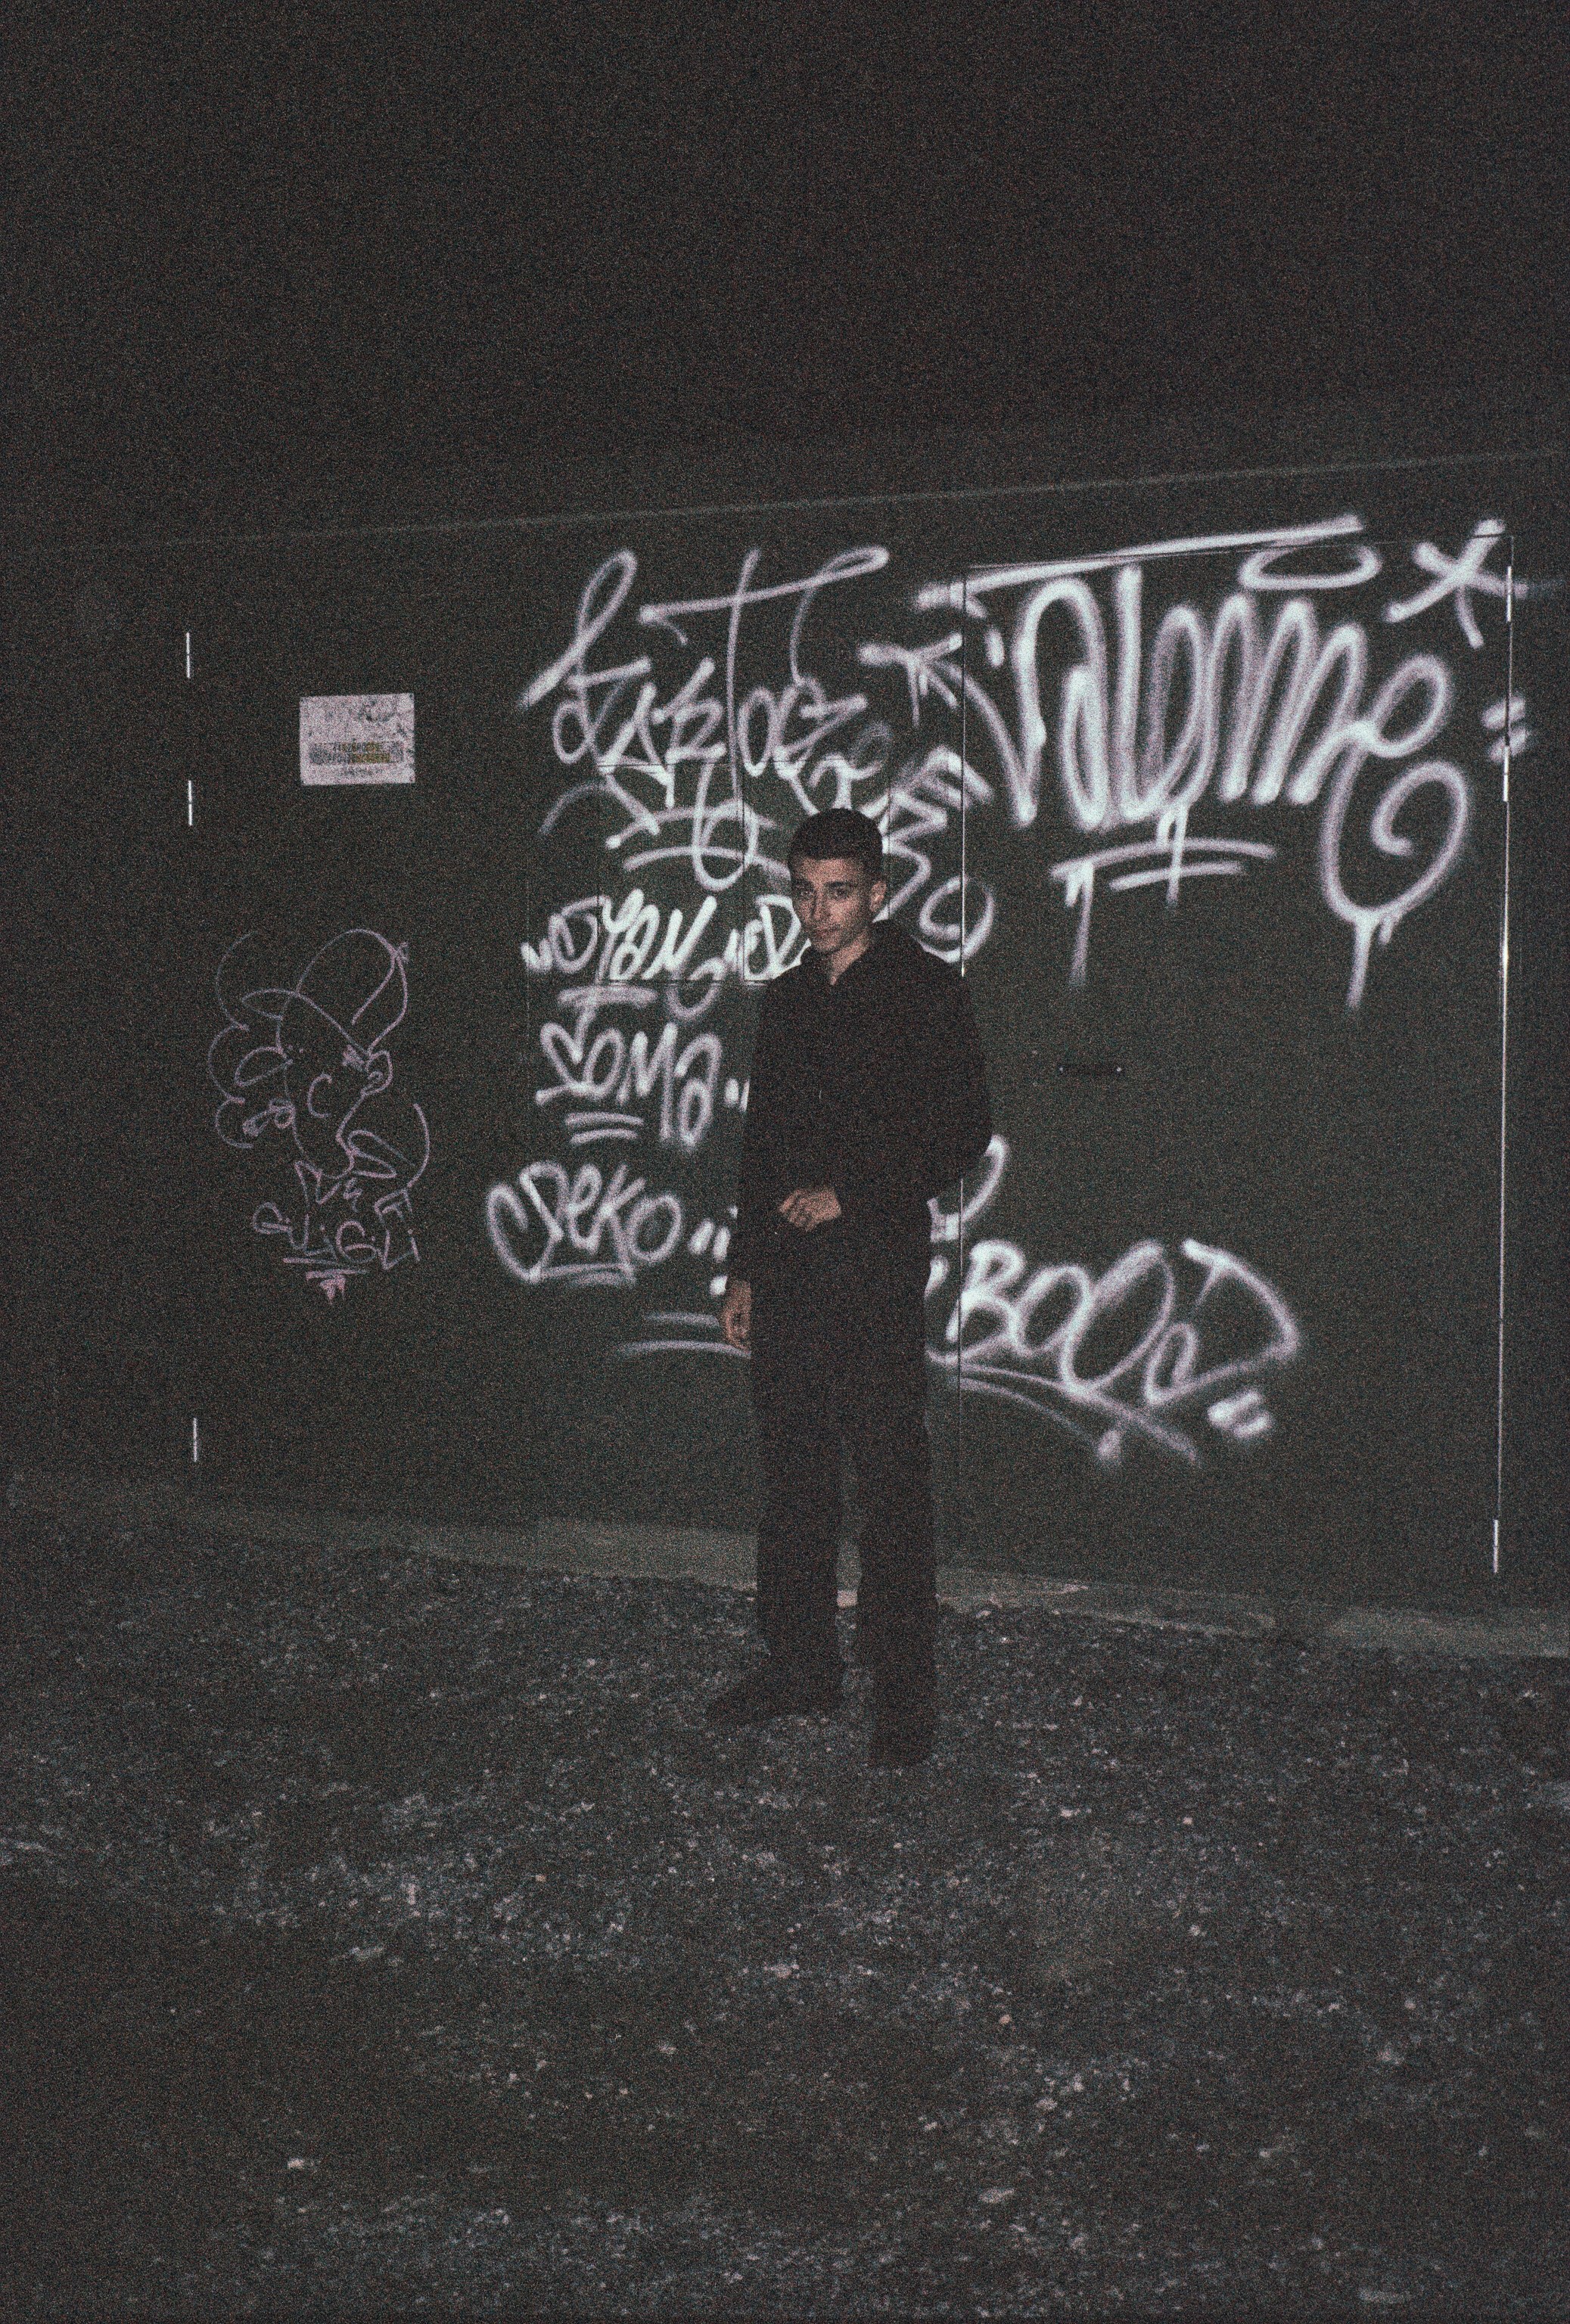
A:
(839, 1364)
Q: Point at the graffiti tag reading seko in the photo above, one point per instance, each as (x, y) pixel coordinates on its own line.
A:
(305, 1074)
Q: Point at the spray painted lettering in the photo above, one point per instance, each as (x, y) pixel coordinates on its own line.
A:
(1139, 699)
(1176, 1335)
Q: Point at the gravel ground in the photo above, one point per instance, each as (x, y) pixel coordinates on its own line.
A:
(383, 1935)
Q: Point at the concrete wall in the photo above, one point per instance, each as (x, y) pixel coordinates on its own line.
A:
(1201, 777)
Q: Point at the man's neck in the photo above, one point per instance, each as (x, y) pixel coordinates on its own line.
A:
(836, 968)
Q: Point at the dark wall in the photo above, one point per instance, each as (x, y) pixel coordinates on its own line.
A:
(1203, 781)
(98, 1261)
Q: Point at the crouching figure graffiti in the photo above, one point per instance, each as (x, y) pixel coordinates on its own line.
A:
(305, 1076)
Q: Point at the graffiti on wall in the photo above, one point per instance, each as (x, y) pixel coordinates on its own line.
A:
(304, 1070)
(1162, 717)
(1176, 1335)
(1257, 700)
(1260, 701)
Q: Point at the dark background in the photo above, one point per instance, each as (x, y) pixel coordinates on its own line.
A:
(247, 251)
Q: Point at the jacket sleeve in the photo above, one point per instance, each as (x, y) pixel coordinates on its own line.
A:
(757, 1127)
(936, 1128)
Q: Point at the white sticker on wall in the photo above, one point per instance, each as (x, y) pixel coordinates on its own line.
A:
(357, 737)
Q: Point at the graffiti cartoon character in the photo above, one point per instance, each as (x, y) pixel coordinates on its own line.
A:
(310, 1061)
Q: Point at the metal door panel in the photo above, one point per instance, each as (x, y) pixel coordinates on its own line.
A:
(1258, 1123)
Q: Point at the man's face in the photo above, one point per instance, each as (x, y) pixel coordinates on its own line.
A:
(836, 905)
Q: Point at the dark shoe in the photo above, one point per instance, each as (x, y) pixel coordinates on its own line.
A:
(772, 1694)
(902, 1738)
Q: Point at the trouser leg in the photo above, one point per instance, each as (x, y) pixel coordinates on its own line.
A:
(795, 1383)
(885, 1427)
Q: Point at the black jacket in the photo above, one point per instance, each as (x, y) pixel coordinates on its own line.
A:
(874, 1085)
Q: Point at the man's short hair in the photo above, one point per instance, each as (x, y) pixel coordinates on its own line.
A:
(839, 831)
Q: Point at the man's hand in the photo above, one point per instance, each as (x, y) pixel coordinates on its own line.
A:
(736, 1316)
(810, 1206)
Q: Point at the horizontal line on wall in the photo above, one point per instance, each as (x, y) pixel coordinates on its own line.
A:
(664, 512)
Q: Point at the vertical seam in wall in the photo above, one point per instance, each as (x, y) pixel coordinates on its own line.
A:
(960, 1503)
(1504, 1034)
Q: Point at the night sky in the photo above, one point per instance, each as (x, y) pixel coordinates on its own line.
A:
(243, 251)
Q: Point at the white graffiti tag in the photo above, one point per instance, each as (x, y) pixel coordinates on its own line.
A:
(1168, 1337)
(1460, 577)
(602, 1072)
(557, 1226)
(705, 766)
(1247, 700)
(1221, 705)
(1031, 1349)
(1174, 1334)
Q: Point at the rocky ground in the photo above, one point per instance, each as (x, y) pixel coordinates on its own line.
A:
(383, 1935)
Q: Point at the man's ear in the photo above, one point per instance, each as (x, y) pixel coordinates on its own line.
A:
(878, 896)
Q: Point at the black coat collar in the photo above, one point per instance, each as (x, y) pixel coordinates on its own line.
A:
(812, 964)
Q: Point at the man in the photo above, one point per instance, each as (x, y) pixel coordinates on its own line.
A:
(867, 1096)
